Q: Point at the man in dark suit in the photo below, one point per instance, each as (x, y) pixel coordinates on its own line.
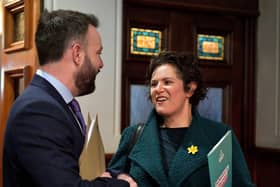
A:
(44, 138)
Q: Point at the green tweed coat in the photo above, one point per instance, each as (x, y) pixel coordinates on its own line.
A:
(144, 162)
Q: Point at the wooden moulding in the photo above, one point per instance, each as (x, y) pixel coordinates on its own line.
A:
(17, 16)
(19, 78)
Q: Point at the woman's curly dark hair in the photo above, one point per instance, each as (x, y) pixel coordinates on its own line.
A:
(187, 69)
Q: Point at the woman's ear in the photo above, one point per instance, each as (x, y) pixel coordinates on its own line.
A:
(192, 87)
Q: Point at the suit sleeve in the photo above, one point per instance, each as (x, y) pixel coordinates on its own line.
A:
(43, 143)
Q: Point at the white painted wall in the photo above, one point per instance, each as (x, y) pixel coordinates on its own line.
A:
(268, 77)
(106, 99)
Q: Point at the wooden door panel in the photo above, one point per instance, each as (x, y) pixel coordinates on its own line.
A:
(19, 58)
(182, 28)
(181, 22)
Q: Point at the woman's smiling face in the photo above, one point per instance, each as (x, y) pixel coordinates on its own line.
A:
(167, 91)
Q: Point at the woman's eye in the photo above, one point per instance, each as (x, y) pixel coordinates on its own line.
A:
(153, 84)
(167, 82)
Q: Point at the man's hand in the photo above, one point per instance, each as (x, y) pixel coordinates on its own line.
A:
(127, 178)
(106, 174)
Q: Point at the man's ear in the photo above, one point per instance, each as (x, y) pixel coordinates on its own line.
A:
(77, 53)
(192, 87)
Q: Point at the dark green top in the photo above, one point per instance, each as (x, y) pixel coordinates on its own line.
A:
(170, 140)
(145, 161)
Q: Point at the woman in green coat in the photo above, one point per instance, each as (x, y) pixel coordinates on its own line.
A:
(162, 155)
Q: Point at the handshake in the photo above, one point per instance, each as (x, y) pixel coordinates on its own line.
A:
(110, 173)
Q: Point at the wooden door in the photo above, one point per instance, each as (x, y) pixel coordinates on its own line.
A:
(230, 71)
(19, 59)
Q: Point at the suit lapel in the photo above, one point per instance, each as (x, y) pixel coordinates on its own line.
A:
(45, 85)
(184, 163)
(147, 147)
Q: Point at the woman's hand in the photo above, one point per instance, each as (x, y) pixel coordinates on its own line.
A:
(127, 178)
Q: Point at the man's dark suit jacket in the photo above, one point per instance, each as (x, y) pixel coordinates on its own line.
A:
(43, 142)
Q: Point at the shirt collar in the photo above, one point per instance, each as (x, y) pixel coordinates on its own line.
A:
(58, 85)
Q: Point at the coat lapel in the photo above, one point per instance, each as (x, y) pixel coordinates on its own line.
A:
(184, 163)
(147, 147)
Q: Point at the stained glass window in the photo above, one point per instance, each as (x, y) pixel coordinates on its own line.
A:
(212, 106)
(140, 104)
(145, 41)
(210, 47)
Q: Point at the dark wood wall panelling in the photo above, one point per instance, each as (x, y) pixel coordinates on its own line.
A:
(180, 21)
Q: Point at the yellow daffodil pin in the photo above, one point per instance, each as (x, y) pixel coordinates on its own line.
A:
(192, 149)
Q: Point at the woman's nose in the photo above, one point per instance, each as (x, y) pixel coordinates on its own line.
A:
(159, 87)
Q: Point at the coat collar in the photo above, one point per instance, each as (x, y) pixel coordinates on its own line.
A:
(147, 153)
(147, 147)
(184, 163)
